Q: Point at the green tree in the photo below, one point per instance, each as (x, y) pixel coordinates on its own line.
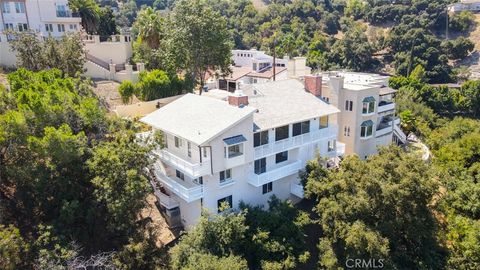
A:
(29, 51)
(126, 90)
(12, 248)
(66, 54)
(106, 23)
(214, 238)
(119, 180)
(89, 11)
(378, 208)
(462, 21)
(199, 40)
(150, 27)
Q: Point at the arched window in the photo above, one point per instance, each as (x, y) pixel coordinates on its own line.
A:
(366, 129)
(368, 105)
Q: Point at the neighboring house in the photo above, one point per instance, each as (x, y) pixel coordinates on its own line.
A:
(106, 59)
(243, 146)
(252, 66)
(47, 17)
(468, 5)
(367, 118)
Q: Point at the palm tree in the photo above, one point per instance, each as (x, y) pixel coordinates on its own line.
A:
(89, 11)
(150, 27)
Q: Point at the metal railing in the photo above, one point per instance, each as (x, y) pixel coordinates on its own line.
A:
(258, 180)
(97, 61)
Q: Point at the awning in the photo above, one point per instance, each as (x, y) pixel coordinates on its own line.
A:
(369, 99)
(235, 140)
(367, 123)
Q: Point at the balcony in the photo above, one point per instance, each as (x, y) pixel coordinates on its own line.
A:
(385, 127)
(258, 180)
(163, 197)
(297, 190)
(340, 149)
(165, 200)
(384, 106)
(188, 191)
(64, 13)
(193, 170)
(294, 142)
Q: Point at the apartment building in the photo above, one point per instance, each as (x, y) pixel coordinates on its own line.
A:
(47, 17)
(242, 146)
(367, 117)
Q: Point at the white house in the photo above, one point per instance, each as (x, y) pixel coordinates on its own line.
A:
(468, 5)
(252, 67)
(243, 146)
(48, 17)
(107, 58)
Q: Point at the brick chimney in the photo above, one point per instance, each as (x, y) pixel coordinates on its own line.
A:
(238, 99)
(313, 84)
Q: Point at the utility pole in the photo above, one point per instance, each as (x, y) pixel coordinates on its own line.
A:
(446, 26)
(274, 57)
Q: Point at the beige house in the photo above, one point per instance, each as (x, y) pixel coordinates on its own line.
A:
(367, 119)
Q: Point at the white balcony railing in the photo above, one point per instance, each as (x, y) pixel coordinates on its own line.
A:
(293, 142)
(186, 190)
(297, 190)
(165, 200)
(258, 180)
(193, 170)
(386, 107)
(340, 149)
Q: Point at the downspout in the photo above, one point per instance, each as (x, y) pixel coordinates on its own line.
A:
(211, 159)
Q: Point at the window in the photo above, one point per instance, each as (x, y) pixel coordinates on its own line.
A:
(281, 157)
(348, 105)
(189, 149)
(73, 27)
(49, 27)
(331, 145)
(62, 11)
(61, 27)
(204, 152)
(198, 180)
(9, 26)
(260, 138)
(346, 131)
(323, 122)
(268, 187)
(281, 133)
(301, 128)
(225, 175)
(368, 105)
(366, 129)
(224, 202)
(178, 142)
(19, 7)
(260, 166)
(180, 174)
(6, 7)
(234, 150)
(22, 27)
